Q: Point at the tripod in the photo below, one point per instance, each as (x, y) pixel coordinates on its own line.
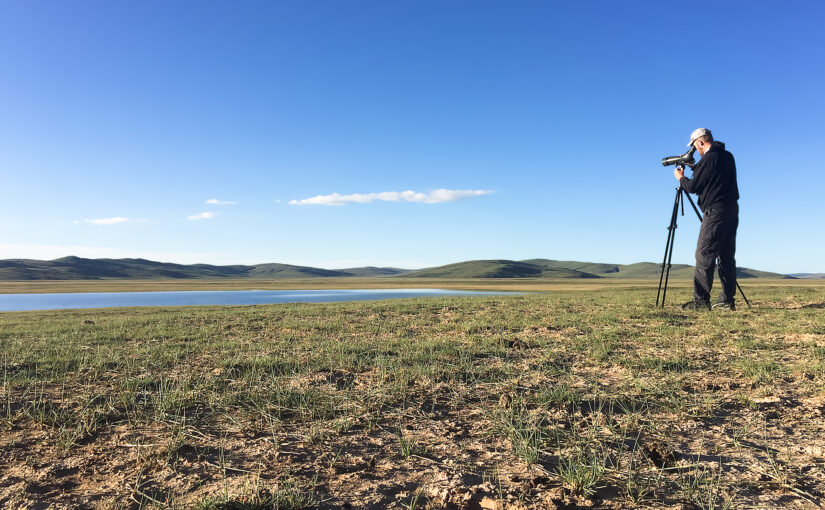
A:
(671, 236)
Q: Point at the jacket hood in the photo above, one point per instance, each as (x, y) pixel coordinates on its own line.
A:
(717, 146)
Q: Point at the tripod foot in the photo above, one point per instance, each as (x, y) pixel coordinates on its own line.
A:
(743, 295)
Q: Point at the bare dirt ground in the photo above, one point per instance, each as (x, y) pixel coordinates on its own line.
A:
(560, 400)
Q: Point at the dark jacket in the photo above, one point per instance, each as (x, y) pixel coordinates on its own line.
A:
(714, 179)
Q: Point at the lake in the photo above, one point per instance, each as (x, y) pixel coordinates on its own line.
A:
(21, 302)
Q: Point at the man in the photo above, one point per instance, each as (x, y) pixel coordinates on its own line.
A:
(714, 180)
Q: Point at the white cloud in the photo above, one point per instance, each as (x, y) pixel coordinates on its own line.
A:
(215, 201)
(433, 197)
(201, 216)
(112, 221)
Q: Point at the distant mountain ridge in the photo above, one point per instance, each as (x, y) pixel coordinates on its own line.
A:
(646, 269)
(77, 268)
(546, 268)
(497, 269)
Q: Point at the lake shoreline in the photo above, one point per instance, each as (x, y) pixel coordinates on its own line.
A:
(98, 300)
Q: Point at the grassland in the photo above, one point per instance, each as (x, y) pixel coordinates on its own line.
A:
(515, 284)
(582, 395)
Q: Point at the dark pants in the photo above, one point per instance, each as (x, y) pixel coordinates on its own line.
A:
(717, 240)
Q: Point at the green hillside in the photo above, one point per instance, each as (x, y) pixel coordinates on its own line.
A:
(77, 268)
(374, 271)
(653, 270)
(808, 276)
(745, 272)
(289, 271)
(584, 267)
(642, 269)
(496, 269)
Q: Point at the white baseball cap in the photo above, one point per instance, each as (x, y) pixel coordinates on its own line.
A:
(698, 133)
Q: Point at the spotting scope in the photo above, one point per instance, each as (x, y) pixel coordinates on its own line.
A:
(685, 159)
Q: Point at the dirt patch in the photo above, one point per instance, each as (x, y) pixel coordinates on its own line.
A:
(530, 403)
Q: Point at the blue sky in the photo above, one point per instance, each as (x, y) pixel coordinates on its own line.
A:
(541, 123)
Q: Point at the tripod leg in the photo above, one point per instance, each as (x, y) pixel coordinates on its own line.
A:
(671, 236)
(664, 259)
(743, 295)
(672, 243)
(664, 262)
(695, 209)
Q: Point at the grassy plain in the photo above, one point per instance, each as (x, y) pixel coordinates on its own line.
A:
(583, 394)
(517, 284)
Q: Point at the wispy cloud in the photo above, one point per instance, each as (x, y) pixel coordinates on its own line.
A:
(112, 221)
(215, 201)
(201, 216)
(433, 197)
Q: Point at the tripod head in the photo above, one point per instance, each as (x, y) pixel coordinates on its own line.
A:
(682, 160)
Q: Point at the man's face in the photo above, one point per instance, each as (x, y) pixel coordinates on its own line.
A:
(701, 146)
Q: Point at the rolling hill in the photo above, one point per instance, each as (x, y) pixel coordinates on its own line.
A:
(584, 267)
(77, 268)
(289, 271)
(375, 271)
(496, 269)
(643, 269)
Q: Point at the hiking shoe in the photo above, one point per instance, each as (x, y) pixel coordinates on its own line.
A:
(724, 305)
(696, 305)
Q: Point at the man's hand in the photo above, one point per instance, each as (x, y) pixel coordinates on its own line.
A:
(679, 173)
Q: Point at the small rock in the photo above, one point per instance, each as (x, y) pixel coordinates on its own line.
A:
(505, 401)
(487, 503)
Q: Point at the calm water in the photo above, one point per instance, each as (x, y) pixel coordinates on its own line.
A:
(18, 302)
